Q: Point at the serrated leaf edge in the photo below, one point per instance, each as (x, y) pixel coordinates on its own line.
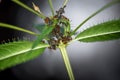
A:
(23, 51)
(96, 35)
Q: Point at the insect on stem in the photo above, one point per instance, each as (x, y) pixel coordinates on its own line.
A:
(28, 8)
(65, 2)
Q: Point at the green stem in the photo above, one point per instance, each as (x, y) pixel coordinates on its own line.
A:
(29, 9)
(17, 28)
(66, 61)
(51, 7)
(65, 2)
(98, 11)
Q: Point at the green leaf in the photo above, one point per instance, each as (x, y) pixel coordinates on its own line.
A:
(98, 11)
(106, 31)
(39, 27)
(15, 53)
(44, 33)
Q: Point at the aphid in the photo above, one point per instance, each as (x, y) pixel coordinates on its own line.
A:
(44, 41)
(60, 12)
(63, 17)
(53, 43)
(69, 38)
(58, 35)
(56, 30)
(48, 21)
(64, 40)
(55, 16)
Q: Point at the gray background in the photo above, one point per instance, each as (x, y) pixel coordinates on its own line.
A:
(90, 61)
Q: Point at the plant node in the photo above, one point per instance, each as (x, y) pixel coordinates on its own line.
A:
(61, 32)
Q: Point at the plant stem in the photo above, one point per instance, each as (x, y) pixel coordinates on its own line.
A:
(29, 9)
(17, 28)
(98, 11)
(66, 61)
(65, 2)
(51, 7)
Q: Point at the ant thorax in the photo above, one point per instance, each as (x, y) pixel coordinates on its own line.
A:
(61, 31)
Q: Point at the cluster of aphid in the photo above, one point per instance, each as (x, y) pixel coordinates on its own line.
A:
(61, 32)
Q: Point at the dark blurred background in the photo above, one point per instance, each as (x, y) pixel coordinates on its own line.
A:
(90, 61)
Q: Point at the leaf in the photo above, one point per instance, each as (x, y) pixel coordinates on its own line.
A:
(106, 31)
(15, 53)
(44, 33)
(39, 27)
(98, 11)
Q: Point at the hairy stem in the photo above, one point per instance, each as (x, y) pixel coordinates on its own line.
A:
(29, 9)
(17, 28)
(51, 7)
(66, 61)
(98, 11)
